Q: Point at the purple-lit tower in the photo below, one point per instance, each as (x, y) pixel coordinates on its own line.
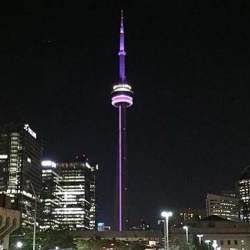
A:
(122, 98)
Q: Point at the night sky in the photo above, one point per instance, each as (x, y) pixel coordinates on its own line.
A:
(188, 62)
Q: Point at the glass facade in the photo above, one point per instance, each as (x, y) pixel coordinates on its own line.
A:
(50, 201)
(244, 194)
(65, 193)
(20, 156)
(69, 195)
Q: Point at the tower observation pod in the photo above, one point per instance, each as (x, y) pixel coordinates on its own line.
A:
(122, 98)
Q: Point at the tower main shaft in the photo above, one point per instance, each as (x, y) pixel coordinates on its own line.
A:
(122, 97)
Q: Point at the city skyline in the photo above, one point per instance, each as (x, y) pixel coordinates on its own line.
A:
(188, 62)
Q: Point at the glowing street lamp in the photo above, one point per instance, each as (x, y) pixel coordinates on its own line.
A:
(200, 236)
(186, 228)
(19, 244)
(166, 215)
(208, 242)
(215, 245)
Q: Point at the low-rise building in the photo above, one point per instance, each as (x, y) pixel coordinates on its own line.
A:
(142, 236)
(218, 232)
(225, 205)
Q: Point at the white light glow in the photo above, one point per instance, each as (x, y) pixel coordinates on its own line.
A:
(19, 244)
(122, 87)
(49, 164)
(166, 214)
(29, 130)
(3, 156)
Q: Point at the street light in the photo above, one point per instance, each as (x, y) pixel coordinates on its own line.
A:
(166, 215)
(200, 236)
(19, 244)
(186, 228)
(34, 229)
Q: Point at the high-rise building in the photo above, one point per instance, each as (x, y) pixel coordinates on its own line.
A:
(243, 186)
(122, 98)
(20, 176)
(50, 200)
(224, 205)
(77, 195)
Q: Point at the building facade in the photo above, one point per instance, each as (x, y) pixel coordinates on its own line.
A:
(183, 215)
(55, 194)
(213, 231)
(225, 205)
(243, 187)
(77, 195)
(50, 200)
(21, 151)
(9, 221)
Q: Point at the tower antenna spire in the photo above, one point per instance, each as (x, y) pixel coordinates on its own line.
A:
(122, 98)
(122, 52)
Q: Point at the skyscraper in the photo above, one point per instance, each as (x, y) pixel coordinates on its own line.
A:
(77, 197)
(122, 98)
(50, 200)
(243, 186)
(20, 156)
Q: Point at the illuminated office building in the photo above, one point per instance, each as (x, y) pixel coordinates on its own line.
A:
(78, 195)
(224, 205)
(243, 186)
(20, 175)
(50, 201)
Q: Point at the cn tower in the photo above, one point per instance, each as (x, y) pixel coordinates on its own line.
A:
(122, 98)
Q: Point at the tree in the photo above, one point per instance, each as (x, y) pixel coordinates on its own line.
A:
(94, 244)
(24, 235)
(50, 238)
(44, 239)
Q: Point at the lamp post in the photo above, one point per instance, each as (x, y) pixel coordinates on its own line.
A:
(166, 215)
(34, 228)
(200, 236)
(186, 228)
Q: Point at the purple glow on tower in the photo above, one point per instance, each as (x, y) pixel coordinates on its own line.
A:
(122, 98)
(116, 100)
(122, 52)
(120, 168)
